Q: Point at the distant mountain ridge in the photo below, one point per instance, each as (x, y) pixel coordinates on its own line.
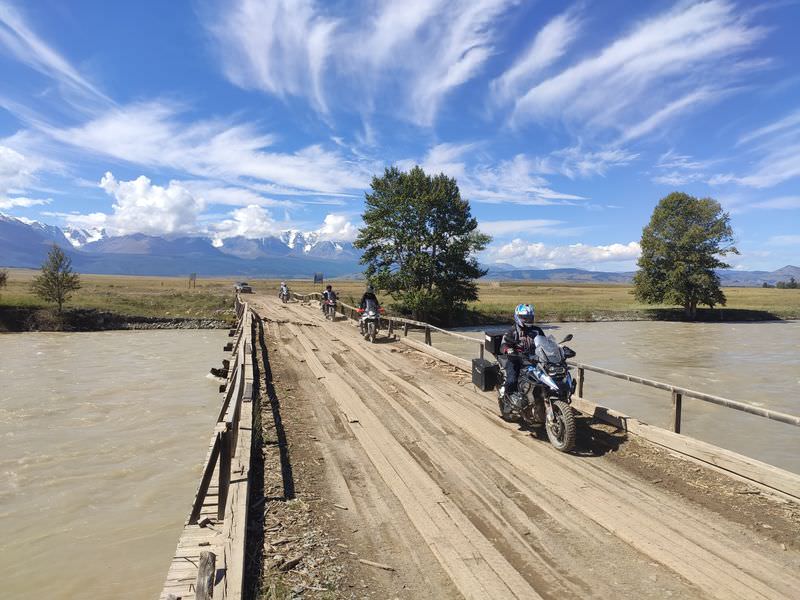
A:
(292, 253)
(731, 277)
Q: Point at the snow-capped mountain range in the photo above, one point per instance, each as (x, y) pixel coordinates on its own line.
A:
(24, 243)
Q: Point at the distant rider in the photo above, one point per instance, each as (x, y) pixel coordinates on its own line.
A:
(328, 294)
(369, 301)
(369, 297)
(284, 291)
(517, 341)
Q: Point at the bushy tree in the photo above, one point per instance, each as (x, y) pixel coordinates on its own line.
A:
(57, 281)
(3, 278)
(681, 250)
(787, 285)
(419, 239)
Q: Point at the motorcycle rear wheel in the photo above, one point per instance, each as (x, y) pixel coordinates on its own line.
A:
(561, 433)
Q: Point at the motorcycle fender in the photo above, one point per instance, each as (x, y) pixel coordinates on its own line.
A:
(549, 410)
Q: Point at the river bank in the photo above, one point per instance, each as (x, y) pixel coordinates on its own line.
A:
(18, 319)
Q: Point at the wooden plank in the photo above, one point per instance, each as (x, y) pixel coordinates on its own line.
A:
(752, 470)
(461, 363)
(206, 572)
(730, 463)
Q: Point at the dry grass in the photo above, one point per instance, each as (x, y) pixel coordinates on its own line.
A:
(212, 298)
(134, 296)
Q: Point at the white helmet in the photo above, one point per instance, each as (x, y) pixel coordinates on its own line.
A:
(524, 315)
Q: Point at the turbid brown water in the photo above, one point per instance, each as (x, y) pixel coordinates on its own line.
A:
(757, 363)
(103, 437)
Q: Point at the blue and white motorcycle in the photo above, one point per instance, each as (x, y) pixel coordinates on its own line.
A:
(545, 387)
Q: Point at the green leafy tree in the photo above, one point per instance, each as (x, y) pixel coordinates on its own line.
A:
(3, 278)
(419, 240)
(57, 280)
(681, 247)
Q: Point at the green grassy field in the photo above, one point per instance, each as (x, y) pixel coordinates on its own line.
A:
(170, 297)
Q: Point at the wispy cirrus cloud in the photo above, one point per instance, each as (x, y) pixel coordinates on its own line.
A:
(292, 48)
(281, 47)
(777, 148)
(549, 45)
(32, 50)
(648, 75)
(153, 134)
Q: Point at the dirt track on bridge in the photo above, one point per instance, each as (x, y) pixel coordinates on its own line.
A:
(460, 503)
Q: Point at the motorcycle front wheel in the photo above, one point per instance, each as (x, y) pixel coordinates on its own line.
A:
(371, 332)
(561, 431)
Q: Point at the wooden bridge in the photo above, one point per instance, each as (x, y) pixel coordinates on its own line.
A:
(475, 507)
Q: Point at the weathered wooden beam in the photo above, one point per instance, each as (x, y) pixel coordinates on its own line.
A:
(206, 573)
(224, 472)
(428, 336)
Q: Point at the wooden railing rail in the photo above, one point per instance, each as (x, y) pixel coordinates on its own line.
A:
(678, 393)
(392, 322)
(223, 449)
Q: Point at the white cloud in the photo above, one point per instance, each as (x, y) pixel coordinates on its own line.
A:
(540, 255)
(291, 48)
(337, 228)
(32, 50)
(675, 169)
(153, 134)
(577, 162)
(21, 202)
(15, 171)
(250, 221)
(281, 47)
(550, 44)
(650, 74)
(776, 147)
(142, 207)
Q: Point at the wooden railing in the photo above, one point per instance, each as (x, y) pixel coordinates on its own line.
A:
(678, 393)
(393, 323)
(223, 449)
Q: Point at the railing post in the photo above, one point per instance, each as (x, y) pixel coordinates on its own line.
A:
(677, 401)
(481, 351)
(224, 478)
(206, 573)
(391, 326)
(405, 329)
(580, 381)
(428, 336)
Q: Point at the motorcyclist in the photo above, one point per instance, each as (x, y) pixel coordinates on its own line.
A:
(517, 341)
(284, 291)
(369, 301)
(369, 297)
(328, 294)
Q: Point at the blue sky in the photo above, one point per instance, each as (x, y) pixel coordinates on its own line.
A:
(564, 123)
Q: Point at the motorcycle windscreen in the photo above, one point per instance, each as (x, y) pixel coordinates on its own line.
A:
(371, 305)
(547, 349)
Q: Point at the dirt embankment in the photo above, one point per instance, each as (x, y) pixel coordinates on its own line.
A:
(20, 319)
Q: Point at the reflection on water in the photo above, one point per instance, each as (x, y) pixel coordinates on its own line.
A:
(758, 363)
(102, 435)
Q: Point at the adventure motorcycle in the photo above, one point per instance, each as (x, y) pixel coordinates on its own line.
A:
(370, 321)
(545, 387)
(283, 294)
(329, 309)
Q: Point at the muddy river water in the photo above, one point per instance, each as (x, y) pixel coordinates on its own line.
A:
(757, 363)
(102, 437)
